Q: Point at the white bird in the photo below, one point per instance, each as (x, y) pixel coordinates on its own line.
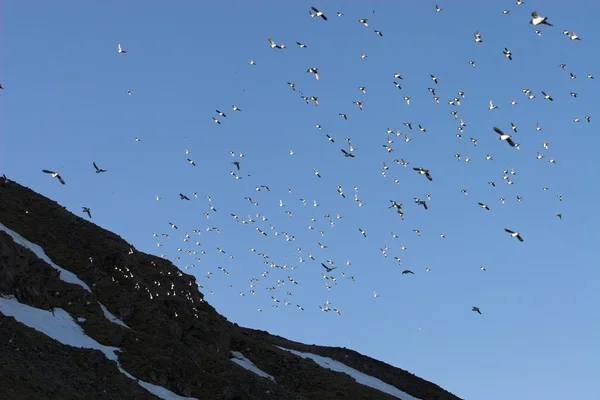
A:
(537, 20)
(120, 50)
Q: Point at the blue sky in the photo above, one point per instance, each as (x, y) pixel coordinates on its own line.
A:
(65, 105)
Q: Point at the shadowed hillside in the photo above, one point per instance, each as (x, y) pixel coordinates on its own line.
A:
(169, 336)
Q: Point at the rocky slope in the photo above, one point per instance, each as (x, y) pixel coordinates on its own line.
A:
(172, 338)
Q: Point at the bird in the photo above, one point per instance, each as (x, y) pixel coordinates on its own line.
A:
(477, 36)
(275, 45)
(476, 309)
(328, 269)
(301, 45)
(54, 175)
(98, 170)
(547, 96)
(504, 136)
(507, 53)
(378, 33)
(484, 206)
(87, 210)
(319, 13)
(424, 171)
(573, 36)
(514, 234)
(537, 20)
(407, 271)
(347, 154)
(120, 50)
(314, 71)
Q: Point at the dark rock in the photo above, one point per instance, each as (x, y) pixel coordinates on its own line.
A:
(188, 354)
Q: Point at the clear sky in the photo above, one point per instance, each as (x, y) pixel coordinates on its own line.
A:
(65, 105)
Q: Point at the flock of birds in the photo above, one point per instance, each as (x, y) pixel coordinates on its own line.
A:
(329, 266)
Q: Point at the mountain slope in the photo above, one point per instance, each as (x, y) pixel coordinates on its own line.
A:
(153, 313)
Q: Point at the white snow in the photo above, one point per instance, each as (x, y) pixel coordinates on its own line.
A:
(360, 377)
(64, 329)
(59, 326)
(65, 275)
(240, 360)
(111, 317)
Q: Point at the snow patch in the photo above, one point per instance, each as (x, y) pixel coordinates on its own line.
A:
(111, 317)
(65, 275)
(360, 377)
(61, 327)
(242, 361)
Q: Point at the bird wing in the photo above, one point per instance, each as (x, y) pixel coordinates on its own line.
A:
(508, 230)
(520, 238)
(428, 177)
(47, 171)
(534, 14)
(271, 41)
(314, 9)
(510, 142)
(498, 131)
(60, 179)
(95, 166)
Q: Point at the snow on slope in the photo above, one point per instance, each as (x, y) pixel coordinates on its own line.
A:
(242, 361)
(360, 377)
(61, 327)
(111, 317)
(65, 275)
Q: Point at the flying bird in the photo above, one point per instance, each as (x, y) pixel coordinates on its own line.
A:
(537, 20)
(504, 136)
(54, 175)
(87, 210)
(347, 154)
(314, 71)
(120, 50)
(98, 170)
(476, 309)
(514, 234)
(423, 171)
(319, 14)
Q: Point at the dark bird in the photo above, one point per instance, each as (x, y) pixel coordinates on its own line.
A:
(407, 271)
(98, 170)
(87, 210)
(476, 309)
(504, 136)
(347, 154)
(514, 234)
(328, 269)
(183, 196)
(237, 164)
(54, 175)
(424, 171)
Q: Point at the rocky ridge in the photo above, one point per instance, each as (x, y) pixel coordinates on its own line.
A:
(171, 337)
